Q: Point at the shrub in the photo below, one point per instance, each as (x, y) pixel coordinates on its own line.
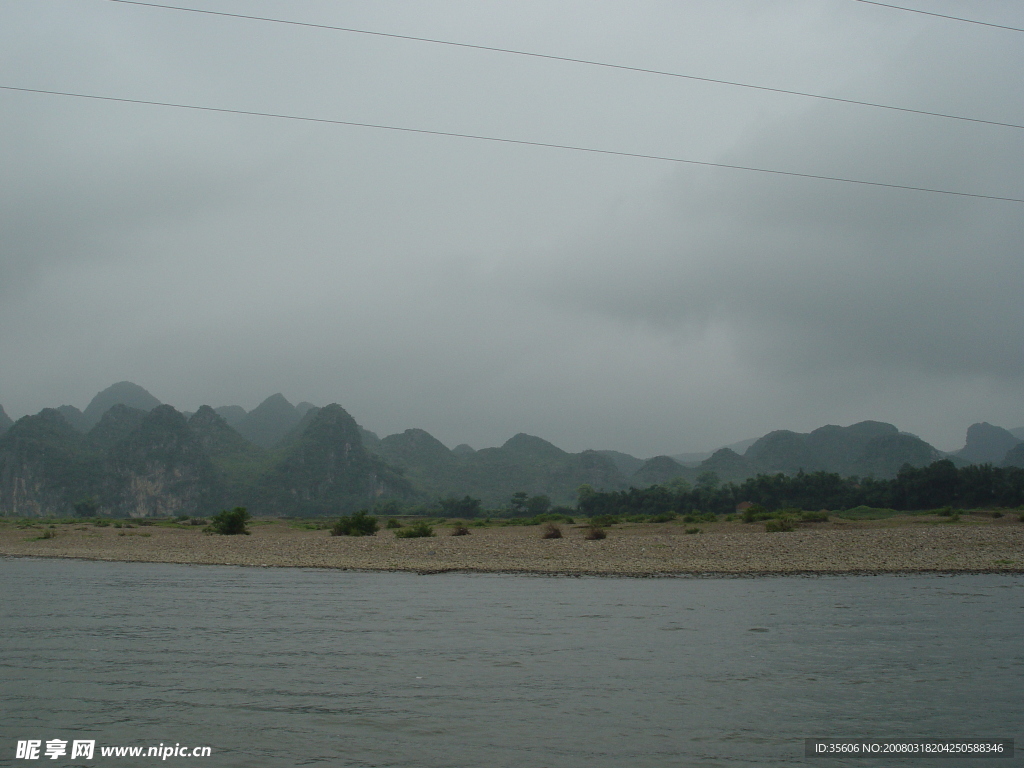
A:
(944, 512)
(753, 512)
(603, 520)
(460, 530)
(776, 526)
(550, 531)
(392, 524)
(693, 530)
(228, 523)
(997, 515)
(101, 523)
(664, 517)
(197, 521)
(360, 523)
(595, 534)
(416, 531)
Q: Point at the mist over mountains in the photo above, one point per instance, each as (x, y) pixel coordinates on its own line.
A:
(127, 454)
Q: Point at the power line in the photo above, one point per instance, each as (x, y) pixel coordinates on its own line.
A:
(923, 13)
(588, 62)
(520, 142)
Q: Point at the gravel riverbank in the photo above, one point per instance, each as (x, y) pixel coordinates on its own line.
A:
(886, 546)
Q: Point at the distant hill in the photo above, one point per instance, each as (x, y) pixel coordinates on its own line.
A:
(237, 461)
(627, 464)
(160, 469)
(728, 465)
(657, 471)
(1014, 457)
(987, 444)
(1018, 432)
(883, 456)
(524, 463)
(75, 417)
(695, 457)
(326, 470)
(232, 414)
(130, 455)
(122, 393)
(45, 467)
(270, 421)
(115, 425)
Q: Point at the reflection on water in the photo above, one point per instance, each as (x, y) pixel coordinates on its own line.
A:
(280, 667)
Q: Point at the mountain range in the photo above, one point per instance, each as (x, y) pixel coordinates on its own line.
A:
(127, 454)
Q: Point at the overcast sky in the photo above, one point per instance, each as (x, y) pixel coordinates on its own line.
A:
(476, 289)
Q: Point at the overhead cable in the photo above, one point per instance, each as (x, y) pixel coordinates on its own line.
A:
(520, 142)
(569, 59)
(942, 16)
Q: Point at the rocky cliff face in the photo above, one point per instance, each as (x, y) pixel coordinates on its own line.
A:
(45, 467)
(159, 469)
(326, 471)
(987, 444)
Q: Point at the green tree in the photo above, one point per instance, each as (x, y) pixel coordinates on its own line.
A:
(707, 481)
(229, 523)
(538, 505)
(518, 502)
(466, 507)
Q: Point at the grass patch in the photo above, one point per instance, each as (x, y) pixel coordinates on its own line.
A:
(47, 534)
(780, 525)
(418, 530)
(360, 523)
(868, 513)
(814, 517)
(393, 524)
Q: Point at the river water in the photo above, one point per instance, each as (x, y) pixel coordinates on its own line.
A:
(296, 667)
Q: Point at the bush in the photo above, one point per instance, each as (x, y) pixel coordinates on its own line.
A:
(460, 530)
(664, 517)
(693, 530)
(100, 523)
(753, 512)
(550, 531)
(359, 524)
(416, 531)
(392, 524)
(595, 534)
(197, 521)
(776, 526)
(997, 515)
(228, 523)
(603, 520)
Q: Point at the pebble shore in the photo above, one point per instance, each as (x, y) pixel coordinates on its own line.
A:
(891, 546)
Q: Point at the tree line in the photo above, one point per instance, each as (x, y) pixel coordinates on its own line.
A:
(942, 484)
